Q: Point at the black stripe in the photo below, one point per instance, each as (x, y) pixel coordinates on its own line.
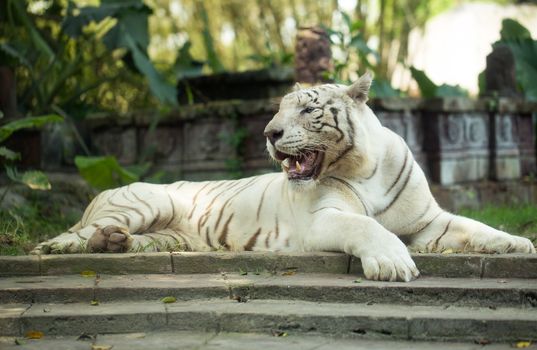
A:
(136, 210)
(398, 177)
(172, 217)
(323, 208)
(172, 236)
(373, 172)
(267, 239)
(230, 198)
(222, 240)
(350, 146)
(218, 184)
(262, 198)
(427, 224)
(435, 244)
(253, 240)
(398, 193)
(353, 190)
(425, 211)
(208, 238)
(144, 203)
(155, 220)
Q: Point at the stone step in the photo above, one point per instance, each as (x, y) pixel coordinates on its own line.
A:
(340, 288)
(228, 341)
(382, 321)
(440, 265)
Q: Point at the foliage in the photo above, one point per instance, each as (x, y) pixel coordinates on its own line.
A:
(75, 57)
(429, 89)
(104, 172)
(8, 129)
(524, 49)
(356, 57)
(33, 179)
(36, 180)
(235, 140)
(72, 60)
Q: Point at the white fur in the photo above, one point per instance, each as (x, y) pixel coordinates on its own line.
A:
(357, 205)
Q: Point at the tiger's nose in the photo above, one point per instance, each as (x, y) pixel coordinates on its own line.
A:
(273, 135)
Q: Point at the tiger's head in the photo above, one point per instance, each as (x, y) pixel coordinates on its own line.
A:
(314, 130)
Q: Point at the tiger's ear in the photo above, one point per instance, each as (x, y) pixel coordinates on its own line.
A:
(297, 87)
(359, 90)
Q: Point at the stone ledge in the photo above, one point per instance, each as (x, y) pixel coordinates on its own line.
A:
(315, 287)
(451, 265)
(193, 262)
(372, 321)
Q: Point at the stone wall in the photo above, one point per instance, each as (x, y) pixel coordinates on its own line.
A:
(455, 140)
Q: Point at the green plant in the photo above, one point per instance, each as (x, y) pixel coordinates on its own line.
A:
(236, 140)
(71, 60)
(33, 179)
(524, 49)
(104, 172)
(353, 54)
(428, 89)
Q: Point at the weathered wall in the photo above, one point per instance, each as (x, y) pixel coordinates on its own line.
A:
(455, 140)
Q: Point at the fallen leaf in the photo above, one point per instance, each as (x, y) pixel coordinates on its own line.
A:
(240, 298)
(243, 272)
(46, 310)
(448, 251)
(289, 273)
(502, 281)
(168, 300)
(88, 273)
(84, 336)
(101, 347)
(358, 280)
(279, 333)
(522, 344)
(34, 335)
(94, 302)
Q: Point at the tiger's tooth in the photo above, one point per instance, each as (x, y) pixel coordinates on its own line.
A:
(298, 167)
(285, 164)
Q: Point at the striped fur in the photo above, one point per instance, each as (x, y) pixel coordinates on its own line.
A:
(355, 188)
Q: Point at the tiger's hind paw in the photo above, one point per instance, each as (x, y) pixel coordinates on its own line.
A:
(112, 239)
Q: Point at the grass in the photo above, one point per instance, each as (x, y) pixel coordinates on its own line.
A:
(518, 220)
(21, 228)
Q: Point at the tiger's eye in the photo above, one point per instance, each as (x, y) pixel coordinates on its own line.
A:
(307, 110)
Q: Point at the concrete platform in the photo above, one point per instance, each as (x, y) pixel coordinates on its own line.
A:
(441, 265)
(337, 288)
(380, 321)
(231, 341)
(241, 300)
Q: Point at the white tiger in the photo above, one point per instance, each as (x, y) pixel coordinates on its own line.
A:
(348, 184)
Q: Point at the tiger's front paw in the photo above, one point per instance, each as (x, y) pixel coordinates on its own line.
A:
(113, 239)
(386, 268)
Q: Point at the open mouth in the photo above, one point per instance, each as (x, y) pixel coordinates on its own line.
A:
(304, 166)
